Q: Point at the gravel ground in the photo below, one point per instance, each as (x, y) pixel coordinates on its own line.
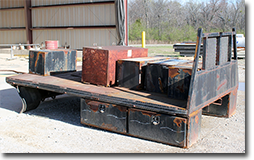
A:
(54, 127)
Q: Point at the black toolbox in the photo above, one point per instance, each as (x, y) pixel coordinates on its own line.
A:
(131, 72)
(165, 128)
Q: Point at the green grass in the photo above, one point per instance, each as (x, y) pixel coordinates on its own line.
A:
(162, 50)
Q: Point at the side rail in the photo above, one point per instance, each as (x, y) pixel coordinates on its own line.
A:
(214, 87)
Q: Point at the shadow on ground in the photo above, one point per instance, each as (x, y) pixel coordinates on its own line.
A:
(64, 108)
(9, 99)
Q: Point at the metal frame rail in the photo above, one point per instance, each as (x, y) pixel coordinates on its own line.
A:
(11, 45)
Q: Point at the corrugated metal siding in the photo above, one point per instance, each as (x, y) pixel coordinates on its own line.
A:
(74, 16)
(52, 2)
(100, 14)
(77, 38)
(12, 18)
(13, 37)
(11, 3)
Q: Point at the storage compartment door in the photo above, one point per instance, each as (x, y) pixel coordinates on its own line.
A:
(103, 115)
(157, 127)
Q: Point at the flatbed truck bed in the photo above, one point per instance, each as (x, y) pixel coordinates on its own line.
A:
(153, 116)
(69, 83)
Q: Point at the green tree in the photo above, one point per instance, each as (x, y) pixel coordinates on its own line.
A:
(136, 30)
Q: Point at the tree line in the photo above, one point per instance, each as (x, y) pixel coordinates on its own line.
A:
(170, 21)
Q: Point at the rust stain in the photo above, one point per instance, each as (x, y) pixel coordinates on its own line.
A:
(173, 72)
(180, 88)
(204, 97)
(222, 84)
(232, 103)
(120, 108)
(234, 92)
(189, 71)
(218, 76)
(196, 119)
(31, 55)
(160, 85)
(104, 62)
(109, 126)
(142, 63)
(37, 58)
(194, 113)
(148, 113)
(120, 62)
(196, 49)
(178, 121)
(94, 105)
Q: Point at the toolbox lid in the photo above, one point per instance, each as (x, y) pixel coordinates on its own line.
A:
(170, 62)
(114, 48)
(145, 59)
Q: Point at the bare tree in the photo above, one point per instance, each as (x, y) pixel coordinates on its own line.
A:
(164, 17)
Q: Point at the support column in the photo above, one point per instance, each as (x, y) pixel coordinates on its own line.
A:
(126, 22)
(28, 21)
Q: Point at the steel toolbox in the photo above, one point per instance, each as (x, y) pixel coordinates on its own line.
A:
(171, 77)
(104, 115)
(156, 126)
(43, 62)
(131, 72)
(99, 63)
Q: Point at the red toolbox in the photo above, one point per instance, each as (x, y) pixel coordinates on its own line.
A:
(99, 63)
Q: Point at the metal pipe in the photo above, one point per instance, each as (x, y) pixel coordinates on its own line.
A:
(7, 45)
(11, 45)
(17, 72)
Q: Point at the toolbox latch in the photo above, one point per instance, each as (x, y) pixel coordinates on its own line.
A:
(155, 120)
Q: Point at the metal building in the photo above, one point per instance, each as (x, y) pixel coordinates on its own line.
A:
(77, 23)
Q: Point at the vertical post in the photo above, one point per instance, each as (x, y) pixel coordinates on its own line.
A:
(234, 43)
(11, 52)
(126, 22)
(195, 68)
(28, 21)
(143, 39)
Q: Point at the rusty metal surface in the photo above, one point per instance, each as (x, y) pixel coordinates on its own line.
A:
(155, 126)
(194, 128)
(99, 63)
(131, 73)
(104, 115)
(218, 77)
(116, 95)
(43, 62)
(158, 127)
(170, 77)
(184, 89)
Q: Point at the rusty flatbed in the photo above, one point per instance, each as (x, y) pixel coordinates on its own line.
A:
(69, 83)
(174, 118)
